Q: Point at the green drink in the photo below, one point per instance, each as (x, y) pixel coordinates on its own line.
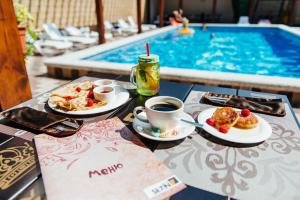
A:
(147, 75)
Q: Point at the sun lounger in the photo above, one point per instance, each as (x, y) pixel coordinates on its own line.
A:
(111, 29)
(244, 20)
(54, 34)
(52, 47)
(107, 35)
(85, 32)
(73, 31)
(264, 22)
(126, 28)
(80, 32)
(145, 27)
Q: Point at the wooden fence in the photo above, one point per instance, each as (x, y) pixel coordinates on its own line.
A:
(78, 12)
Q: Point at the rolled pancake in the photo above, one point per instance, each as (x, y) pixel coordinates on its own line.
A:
(68, 98)
(70, 89)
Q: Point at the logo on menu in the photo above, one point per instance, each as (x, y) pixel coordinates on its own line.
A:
(106, 171)
(162, 187)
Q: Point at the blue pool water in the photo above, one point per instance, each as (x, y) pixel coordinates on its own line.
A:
(264, 51)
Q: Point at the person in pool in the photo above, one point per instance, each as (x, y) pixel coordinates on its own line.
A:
(204, 27)
(185, 29)
(180, 11)
(212, 36)
(176, 17)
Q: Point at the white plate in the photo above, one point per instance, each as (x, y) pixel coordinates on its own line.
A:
(144, 129)
(122, 96)
(258, 134)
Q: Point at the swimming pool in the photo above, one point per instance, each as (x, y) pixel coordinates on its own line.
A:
(245, 50)
(268, 60)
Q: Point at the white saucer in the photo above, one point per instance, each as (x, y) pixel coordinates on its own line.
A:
(122, 96)
(258, 134)
(144, 129)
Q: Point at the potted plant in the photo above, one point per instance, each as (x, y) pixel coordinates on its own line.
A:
(28, 34)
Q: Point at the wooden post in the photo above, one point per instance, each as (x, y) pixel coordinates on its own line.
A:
(292, 12)
(161, 12)
(213, 10)
(180, 4)
(139, 16)
(100, 21)
(251, 10)
(15, 87)
(280, 11)
(255, 7)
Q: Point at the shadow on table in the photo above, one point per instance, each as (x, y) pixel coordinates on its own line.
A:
(127, 135)
(167, 145)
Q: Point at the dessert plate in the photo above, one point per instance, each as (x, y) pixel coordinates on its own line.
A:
(258, 134)
(122, 96)
(144, 129)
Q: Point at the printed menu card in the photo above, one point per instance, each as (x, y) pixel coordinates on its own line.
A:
(104, 160)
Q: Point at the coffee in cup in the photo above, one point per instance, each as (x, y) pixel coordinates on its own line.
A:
(163, 112)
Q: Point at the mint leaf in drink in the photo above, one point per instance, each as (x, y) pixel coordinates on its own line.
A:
(143, 75)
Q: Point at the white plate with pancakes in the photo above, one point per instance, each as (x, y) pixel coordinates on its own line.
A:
(121, 97)
(257, 134)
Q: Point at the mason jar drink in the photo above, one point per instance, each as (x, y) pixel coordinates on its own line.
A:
(147, 75)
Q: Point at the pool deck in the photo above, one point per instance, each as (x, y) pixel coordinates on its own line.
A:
(72, 61)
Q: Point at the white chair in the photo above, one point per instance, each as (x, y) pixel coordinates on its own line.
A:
(52, 47)
(244, 20)
(126, 28)
(54, 34)
(145, 27)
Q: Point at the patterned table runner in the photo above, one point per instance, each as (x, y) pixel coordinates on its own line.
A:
(270, 170)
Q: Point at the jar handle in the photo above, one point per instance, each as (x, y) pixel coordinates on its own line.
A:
(132, 74)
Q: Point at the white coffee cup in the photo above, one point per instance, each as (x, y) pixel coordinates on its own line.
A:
(105, 93)
(163, 120)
